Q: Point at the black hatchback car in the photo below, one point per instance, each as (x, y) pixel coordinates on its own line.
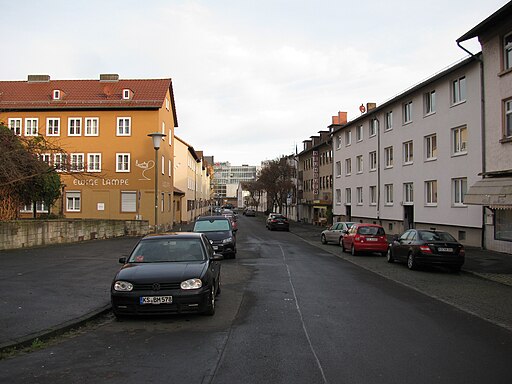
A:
(219, 230)
(167, 273)
(418, 247)
(276, 221)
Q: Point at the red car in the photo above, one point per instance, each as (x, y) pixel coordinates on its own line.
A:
(365, 238)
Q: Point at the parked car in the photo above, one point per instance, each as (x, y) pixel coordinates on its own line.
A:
(334, 234)
(249, 212)
(167, 273)
(277, 222)
(419, 247)
(219, 230)
(365, 238)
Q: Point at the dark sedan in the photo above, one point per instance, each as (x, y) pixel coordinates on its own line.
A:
(278, 222)
(419, 247)
(168, 273)
(221, 233)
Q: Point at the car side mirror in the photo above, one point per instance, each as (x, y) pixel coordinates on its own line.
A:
(344, 231)
(122, 260)
(217, 257)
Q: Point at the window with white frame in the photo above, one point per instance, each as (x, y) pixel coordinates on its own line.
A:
(459, 140)
(60, 162)
(46, 158)
(74, 126)
(92, 126)
(73, 201)
(373, 195)
(31, 126)
(459, 187)
(15, 126)
(359, 133)
(128, 201)
(407, 112)
(431, 192)
(429, 101)
(170, 168)
(388, 194)
(94, 162)
(338, 141)
(507, 51)
(348, 196)
(40, 207)
(503, 226)
(52, 126)
(348, 167)
(431, 147)
(373, 161)
(348, 137)
(459, 90)
(408, 193)
(126, 94)
(407, 152)
(359, 164)
(76, 162)
(169, 137)
(389, 121)
(359, 195)
(388, 157)
(163, 165)
(122, 162)
(338, 168)
(167, 104)
(508, 119)
(56, 94)
(374, 126)
(338, 196)
(124, 126)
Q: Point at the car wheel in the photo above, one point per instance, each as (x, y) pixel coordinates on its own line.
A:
(411, 263)
(389, 256)
(323, 239)
(218, 287)
(340, 241)
(343, 249)
(210, 310)
(353, 250)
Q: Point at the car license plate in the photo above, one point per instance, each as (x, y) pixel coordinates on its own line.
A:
(371, 239)
(445, 249)
(156, 300)
(215, 248)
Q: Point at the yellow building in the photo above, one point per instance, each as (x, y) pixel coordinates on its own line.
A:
(109, 168)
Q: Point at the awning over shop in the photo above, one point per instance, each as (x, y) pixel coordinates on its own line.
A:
(495, 192)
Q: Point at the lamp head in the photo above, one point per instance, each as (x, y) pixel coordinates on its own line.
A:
(157, 139)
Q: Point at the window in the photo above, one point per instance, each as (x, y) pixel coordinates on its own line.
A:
(459, 186)
(338, 141)
(389, 121)
(348, 137)
(128, 201)
(72, 201)
(92, 126)
(60, 162)
(503, 224)
(123, 162)
(508, 118)
(348, 167)
(56, 94)
(40, 207)
(374, 126)
(167, 104)
(359, 164)
(459, 140)
(124, 126)
(31, 126)
(76, 162)
(52, 126)
(430, 102)
(338, 168)
(359, 133)
(407, 112)
(408, 153)
(431, 192)
(507, 50)
(338, 196)
(46, 158)
(126, 94)
(15, 126)
(373, 195)
(430, 147)
(359, 193)
(459, 90)
(408, 193)
(163, 165)
(388, 157)
(74, 126)
(348, 196)
(94, 162)
(373, 161)
(388, 194)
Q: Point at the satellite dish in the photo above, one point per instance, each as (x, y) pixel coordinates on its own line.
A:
(362, 108)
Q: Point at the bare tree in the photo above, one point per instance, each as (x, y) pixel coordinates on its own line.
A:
(276, 180)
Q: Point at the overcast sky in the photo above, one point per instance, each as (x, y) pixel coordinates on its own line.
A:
(252, 79)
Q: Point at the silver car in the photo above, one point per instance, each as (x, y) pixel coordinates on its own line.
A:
(335, 233)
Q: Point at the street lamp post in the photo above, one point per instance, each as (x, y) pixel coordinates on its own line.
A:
(157, 140)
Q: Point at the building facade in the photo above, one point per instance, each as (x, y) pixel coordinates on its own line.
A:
(227, 178)
(407, 163)
(108, 165)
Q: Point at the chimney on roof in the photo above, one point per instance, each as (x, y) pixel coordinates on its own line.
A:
(38, 78)
(370, 106)
(341, 119)
(109, 77)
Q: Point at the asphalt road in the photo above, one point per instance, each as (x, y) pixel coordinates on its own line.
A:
(289, 312)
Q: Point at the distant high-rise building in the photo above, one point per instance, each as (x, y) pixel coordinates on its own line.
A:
(227, 177)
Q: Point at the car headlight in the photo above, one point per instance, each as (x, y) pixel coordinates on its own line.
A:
(123, 286)
(228, 240)
(191, 284)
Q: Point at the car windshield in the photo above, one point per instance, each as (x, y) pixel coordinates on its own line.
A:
(349, 224)
(436, 236)
(211, 226)
(167, 250)
(375, 231)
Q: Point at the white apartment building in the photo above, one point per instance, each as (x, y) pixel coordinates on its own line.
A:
(408, 162)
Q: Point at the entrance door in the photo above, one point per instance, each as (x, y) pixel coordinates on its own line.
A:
(408, 217)
(348, 212)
